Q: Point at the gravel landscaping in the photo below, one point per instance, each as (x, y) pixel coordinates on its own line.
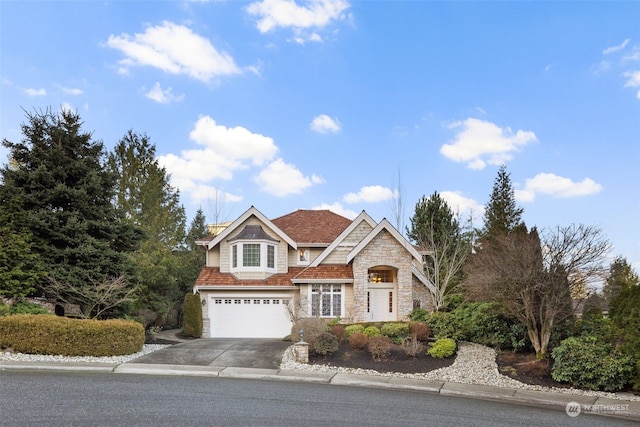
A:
(474, 364)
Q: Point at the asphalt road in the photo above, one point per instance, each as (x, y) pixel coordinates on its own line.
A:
(76, 399)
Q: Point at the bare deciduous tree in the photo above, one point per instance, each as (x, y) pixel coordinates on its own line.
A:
(533, 281)
(445, 258)
(94, 299)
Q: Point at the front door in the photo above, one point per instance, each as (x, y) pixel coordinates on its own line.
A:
(381, 305)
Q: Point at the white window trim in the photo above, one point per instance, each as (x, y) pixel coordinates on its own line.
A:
(263, 257)
(310, 300)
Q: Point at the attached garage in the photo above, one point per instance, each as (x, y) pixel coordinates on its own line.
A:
(249, 315)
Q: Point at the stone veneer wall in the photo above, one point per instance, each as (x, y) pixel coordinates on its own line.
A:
(420, 292)
(383, 250)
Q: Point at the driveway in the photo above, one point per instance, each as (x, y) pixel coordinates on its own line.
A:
(221, 352)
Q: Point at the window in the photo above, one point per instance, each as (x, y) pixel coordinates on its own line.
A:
(251, 255)
(303, 256)
(259, 256)
(234, 256)
(326, 300)
(271, 256)
(380, 276)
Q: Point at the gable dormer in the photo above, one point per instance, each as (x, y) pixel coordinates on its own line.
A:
(253, 250)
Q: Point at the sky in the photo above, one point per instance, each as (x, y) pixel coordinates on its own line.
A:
(351, 105)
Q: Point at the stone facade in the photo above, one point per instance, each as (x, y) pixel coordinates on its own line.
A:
(383, 250)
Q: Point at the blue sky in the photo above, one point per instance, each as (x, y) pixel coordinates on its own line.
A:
(329, 104)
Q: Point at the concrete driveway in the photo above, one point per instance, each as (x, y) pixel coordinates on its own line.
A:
(221, 352)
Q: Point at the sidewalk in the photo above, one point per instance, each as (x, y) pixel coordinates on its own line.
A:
(573, 404)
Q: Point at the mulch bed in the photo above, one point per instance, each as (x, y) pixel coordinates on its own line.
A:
(525, 368)
(398, 361)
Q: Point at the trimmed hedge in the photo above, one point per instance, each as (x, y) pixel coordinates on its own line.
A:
(45, 334)
(192, 315)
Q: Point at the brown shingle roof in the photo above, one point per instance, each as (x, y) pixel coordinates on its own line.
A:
(312, 226)
(326, 271)
(212, 277)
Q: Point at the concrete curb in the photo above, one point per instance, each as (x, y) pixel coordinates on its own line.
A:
(624, 409)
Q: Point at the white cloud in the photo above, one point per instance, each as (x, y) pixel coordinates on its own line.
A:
(325, 124)
(35, 92)
(174, 49)
(556, 186)
(617, 48)
(633, 80)
(225, 151)
(479, 142)
(338, 209)
(317, 14)
(235, 143)
(70, 90)
(282, 179)
(370, 194)
(163, 96)
(464, 206)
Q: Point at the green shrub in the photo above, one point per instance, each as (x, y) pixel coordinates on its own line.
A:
(313, 328)
(358, 340)
(396, 331)
(379, 347)
(478, 322)
(45, 334)
(5, 310)
(192, 315)
(444, 347)
(371, 331)
(350, 329)
(326, 343)
(419, 315)
(589, 363)
(26, 307)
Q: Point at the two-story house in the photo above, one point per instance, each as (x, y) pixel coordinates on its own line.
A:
(261, 274)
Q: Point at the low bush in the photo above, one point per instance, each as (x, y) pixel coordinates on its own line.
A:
(380, 347)
(419, 315)
(45, 334)
(396, 331)
(412, 346)
(358, 340)
(421, 331)
(590, 363)
(313, 328)
(26, 307)
(338, 331)
(5, 310)
(444, 347)
(192, 315)
(371, 331)
(351, 329)
(326, 343)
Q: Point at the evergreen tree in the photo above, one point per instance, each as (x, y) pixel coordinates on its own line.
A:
(433, 215)
(192, 255)
(144, 194)
(621, 277)
(436, 230)
(57, 191)
(501, 215)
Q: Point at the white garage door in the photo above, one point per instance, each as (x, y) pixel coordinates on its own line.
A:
(249, 317)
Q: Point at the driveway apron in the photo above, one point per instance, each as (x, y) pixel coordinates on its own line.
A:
(221, 352)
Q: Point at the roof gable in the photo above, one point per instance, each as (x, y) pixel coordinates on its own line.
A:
(345, 233)
(312, 227)
(252, 211)
(384, 225)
